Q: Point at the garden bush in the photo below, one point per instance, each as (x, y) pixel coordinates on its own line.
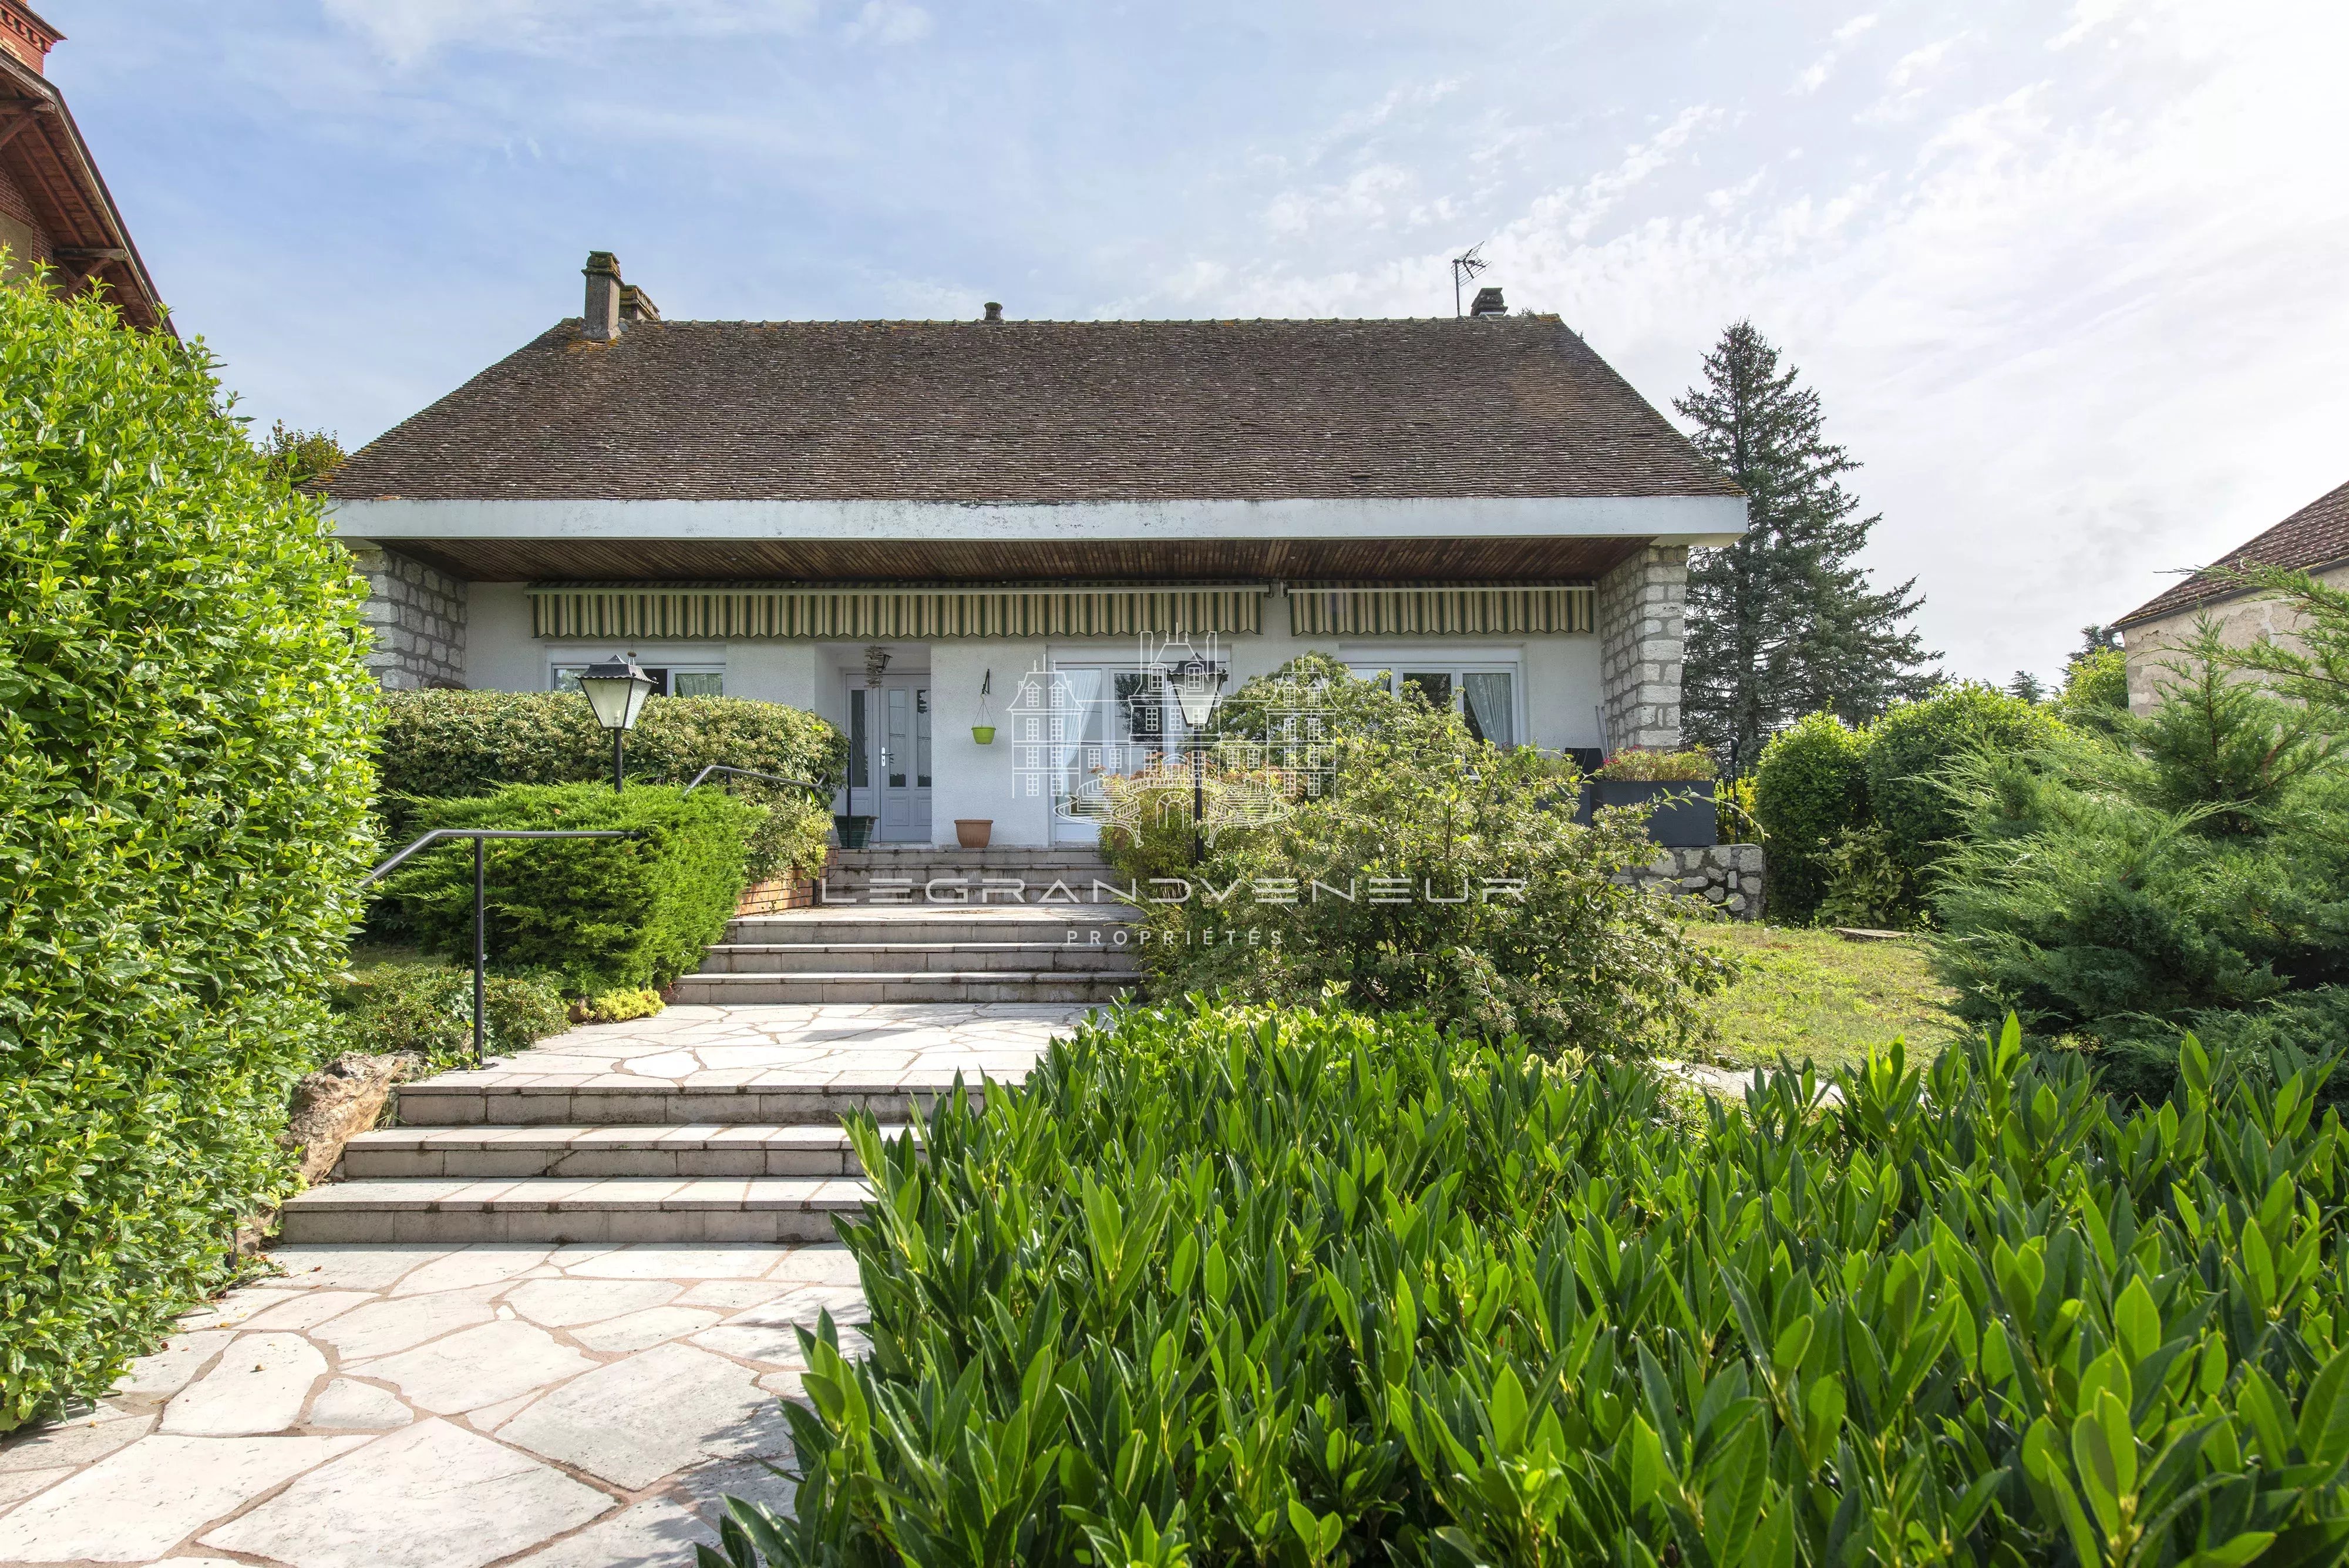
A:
(1236, 1286)
(1912, 750)
(447, 744)
(2192, 875)
(183, 783)
(1809, 787)
(603, 914)
(1410, 865)
(427, 1010)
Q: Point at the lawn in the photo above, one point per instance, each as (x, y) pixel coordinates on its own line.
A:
(1812, 994)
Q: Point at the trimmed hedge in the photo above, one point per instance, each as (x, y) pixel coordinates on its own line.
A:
(438, 746)
(1809, 788)
(427, 1010)
(605, 914)
(183, 783)
(1912, 750)
(1219, 1285)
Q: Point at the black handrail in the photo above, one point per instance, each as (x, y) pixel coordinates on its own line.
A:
(702, 778)
(481, 922)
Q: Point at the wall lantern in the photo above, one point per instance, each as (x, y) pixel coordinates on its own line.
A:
(616, 690)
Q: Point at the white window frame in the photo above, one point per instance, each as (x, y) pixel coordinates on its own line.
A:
(1389, 664)
(573, 664)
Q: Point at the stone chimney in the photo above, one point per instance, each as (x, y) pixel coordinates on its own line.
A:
(1488, 303)
(603, 289)
(25, 36)
(994, 311)
(636, 306)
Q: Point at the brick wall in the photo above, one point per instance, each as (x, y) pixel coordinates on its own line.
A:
(418, 617)
(1642, 641)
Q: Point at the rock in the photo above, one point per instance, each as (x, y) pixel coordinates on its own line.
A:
(1734, 903)
(336, 1103)
(433, 1496)
(259, 1385)
(565, 1304)
(1715, 895)
(385, 1327)
(656, 1532)
(359, 1406)
(140, 1503)
(174, 1366)
(483, 1365)
(78, 1441)
(642, 1330)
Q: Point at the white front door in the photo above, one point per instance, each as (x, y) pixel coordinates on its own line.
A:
(891, 721)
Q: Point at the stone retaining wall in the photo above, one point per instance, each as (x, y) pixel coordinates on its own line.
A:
(1727, 875)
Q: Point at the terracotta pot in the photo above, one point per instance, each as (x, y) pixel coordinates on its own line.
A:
(972, 833)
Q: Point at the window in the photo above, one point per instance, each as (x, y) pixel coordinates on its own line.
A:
(668, 679)
(1484, 694)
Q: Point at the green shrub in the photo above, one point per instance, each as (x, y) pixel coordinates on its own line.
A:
(438, 746)
(620, 1006)
(604, 914)
(427, 1010)
(1911, 751)
(1236, 1286)
(1426, 872)
(183, 735)
(1866, 886)
(2095, 689)
(1810, 785)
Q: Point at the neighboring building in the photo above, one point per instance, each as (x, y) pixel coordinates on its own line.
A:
(881, 520)
(54, 207)
(2314, 539)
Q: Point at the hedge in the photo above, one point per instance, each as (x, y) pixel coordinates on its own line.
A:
(427, 1010)
(183, 783)
(1809, 787)
(448, 745)
(1217, 1286)
(605, 914)
(1911, 751)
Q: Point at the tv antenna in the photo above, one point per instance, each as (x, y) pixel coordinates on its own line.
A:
(1464, 270)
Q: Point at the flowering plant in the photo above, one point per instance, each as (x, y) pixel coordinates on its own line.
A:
(1640, 764)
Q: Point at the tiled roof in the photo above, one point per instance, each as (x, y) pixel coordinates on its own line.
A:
(2315, 536)
(1039, 411)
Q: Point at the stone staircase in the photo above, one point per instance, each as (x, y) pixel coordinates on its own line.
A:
(547, 1148)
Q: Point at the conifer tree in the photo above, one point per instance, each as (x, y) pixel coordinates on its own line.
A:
(1784, 623)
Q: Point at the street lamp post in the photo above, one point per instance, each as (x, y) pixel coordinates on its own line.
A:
(1195, 692)
(616, 690)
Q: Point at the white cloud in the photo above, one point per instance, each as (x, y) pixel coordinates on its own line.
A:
(889, 22)
(1368, 197)
(1815, 76)
(1907, 79)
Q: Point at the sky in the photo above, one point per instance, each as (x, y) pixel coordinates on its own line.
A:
(2068, 277)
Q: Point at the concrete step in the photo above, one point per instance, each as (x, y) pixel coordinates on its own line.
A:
(887, 924)
(925, 958)
(936, 855)
(920, 884)
(773, 1209)
(480, 1153)
(847, 986)
(496, 1099)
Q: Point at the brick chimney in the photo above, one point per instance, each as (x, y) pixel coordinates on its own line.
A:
(604, 291)
(25, 36)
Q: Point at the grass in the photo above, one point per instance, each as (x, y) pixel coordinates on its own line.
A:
(1811, 993)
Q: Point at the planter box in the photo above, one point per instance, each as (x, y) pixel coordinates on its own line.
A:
(1683, 818)
(856, 832)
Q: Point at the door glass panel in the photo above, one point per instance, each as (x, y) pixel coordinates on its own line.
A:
(697, 683)
(860, 760)
(1079, 729)
(1434, 689)
(1142, 709)
(1486, 702)
(898, 749)
(921, 737)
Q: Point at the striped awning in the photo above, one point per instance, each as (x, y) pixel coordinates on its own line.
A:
(1335, 609)
(887, 615)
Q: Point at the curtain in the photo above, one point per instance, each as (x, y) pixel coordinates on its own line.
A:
(1491, 715)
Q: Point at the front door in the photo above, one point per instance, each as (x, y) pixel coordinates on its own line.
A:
(891, 721)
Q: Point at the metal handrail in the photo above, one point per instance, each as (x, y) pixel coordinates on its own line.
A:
(702, 778)
(480, 919)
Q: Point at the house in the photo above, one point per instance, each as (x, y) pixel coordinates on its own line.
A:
(2314, 539)
(54, 206)
(922, 530)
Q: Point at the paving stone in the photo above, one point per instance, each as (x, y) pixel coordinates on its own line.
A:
(490, 1417)
(562, 1304)
(770, 1344)
(654, 1534)
(826, 1265)
(731, 1295)
(141, 1501)
(747, 1262)
(17, 1485)
(259, 1385)
(487, 1264)
(174, 1366)
(359, 1406)
(387, 1326)
(75, 1442)
(231, 1310)
(752, 1481)
(642, 1330)
(433, 1496)
(635, 1421)
(479, 1366)
(374, 1266)
(307, 1309)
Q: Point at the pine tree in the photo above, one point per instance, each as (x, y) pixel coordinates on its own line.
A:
(1782, 623)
